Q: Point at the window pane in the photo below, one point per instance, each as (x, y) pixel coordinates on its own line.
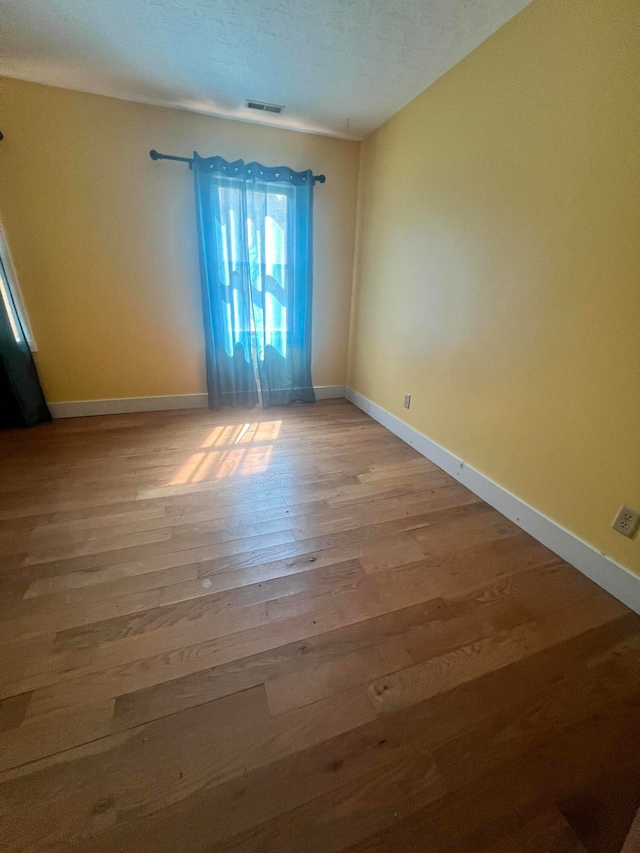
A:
(276, 268)
(9, 305)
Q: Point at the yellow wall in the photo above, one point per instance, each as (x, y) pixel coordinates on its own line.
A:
(498, 271)
(104, 241)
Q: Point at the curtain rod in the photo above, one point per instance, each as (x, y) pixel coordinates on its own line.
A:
(155, 155)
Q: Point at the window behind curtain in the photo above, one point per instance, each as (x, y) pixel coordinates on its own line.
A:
(274, 317)
(12, 298)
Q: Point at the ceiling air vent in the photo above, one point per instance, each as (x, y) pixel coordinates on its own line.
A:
(267, 108)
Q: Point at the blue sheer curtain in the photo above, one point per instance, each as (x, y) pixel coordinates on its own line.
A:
(255, 233)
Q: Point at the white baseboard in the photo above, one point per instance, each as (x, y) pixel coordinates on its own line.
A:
(604, 571)
(128, 405)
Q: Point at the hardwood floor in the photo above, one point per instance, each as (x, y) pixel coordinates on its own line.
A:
(285, 630)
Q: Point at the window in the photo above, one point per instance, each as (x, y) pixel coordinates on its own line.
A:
(267, 245)
(12, 298)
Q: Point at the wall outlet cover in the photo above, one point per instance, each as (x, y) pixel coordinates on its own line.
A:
(407, 401)
(626, 521)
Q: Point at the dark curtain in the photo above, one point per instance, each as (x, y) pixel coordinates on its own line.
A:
(22, 403)
(255, 236)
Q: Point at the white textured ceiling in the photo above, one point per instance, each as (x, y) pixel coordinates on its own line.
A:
(340, 67)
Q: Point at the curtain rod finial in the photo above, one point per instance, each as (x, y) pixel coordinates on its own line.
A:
(154, 154)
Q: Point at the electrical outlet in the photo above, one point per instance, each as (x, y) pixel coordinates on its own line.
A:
(626, 521)
(407, 401)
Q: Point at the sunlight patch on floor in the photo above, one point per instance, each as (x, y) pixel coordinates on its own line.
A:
(230, 450)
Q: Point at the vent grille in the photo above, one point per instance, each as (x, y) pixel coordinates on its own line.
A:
(261, 105)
